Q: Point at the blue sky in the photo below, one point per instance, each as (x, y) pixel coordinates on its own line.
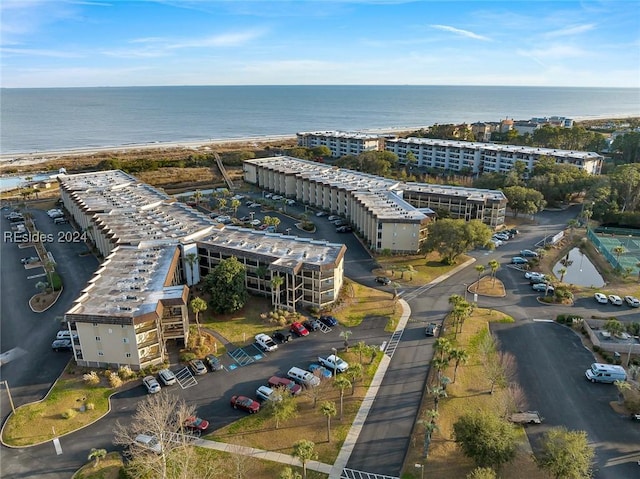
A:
(56, 43)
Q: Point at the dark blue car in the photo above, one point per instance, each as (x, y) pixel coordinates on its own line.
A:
(328, 320)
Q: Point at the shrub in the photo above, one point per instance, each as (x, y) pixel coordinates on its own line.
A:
(115, 381)
(107, 373)
(596, 348)
(56, 281)
(91, 378)
(125, 373)
(187, 356)
(606, 357)
(69, 413)
(89, 406)
(561, 318)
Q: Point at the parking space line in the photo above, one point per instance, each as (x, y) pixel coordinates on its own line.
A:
(185, 378)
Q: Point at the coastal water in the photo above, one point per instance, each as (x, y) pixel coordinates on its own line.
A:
(36, 120)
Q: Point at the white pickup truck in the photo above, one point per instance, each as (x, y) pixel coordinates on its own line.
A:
(334, 363)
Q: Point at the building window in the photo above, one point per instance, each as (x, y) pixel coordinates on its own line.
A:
(100, 353)
(97, 338)
(125, 340)
(128, 355)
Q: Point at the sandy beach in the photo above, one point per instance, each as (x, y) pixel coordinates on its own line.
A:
(26, 159)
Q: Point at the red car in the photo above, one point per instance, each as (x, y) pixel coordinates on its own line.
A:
(196, 423)
(245, 403)
(278, 382)
(298, 329)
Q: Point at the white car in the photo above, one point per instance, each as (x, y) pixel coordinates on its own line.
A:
(263, 393)
(148, 442)
(265, 342)
(544, 287)
(496, 242)
(167, 377)
(255, 222)
(632, 301)
(152, 385)
(321, 213)
(533, 275)
(601, 298)
(66, 334)
(615, 299)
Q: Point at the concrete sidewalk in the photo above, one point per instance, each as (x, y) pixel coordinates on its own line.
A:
(262, 454)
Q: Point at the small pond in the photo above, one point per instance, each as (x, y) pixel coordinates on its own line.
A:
(580, 271)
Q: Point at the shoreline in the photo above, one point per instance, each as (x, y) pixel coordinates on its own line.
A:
(20, 159)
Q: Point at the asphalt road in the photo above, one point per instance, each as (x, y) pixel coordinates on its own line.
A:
(384, 439)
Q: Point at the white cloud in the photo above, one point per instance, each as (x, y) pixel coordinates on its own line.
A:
(571, 30)
(40, 52)
(460, 32)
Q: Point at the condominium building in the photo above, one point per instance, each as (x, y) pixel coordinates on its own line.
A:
(388, 215)
(340, 143)
(154, 248)
(485, 157)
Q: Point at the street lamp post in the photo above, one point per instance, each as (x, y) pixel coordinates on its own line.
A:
(335, 361)
(421, 467)
(6, 385)
(466, 288)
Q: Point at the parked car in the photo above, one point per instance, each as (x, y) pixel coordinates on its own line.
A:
(533, 274)
(601, 298)
(195, 423)
(66, 334)
(519, 260)
(152, 385)
(322, 372)
(265, 342)
(213, 362)
(328, 320)
(496, 242)
(255, 222)
(431, 329)
(513, 231)
(502, 236)
(344, 229)
(527, 253)
(298, 329)
(334, 363)
(546, 287)
(167, 377)
(615, 299)
(538, 279)
(278, 382)
(147, 441)
(30, 260)
(312, 324)
(245, 403)
(263, 393)
(632, 301)
(383, 280)
(61, 345)
(333, 218)
(282, 336)
(321, 213)
(197, 367)
(340, 223)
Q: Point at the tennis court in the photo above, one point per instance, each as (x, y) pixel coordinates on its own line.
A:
(620, 246)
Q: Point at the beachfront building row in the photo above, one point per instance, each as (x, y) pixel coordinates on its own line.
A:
(388, 214)
(485, 157)
(477, 157)
(154, 248)
(341, 143)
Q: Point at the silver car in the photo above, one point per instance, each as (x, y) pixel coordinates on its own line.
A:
(167, 377)
(152, 385)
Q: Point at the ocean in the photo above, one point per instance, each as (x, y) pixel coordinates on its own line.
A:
(37, 120)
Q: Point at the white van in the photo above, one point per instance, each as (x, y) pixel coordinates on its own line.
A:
(605, 373)
(66, 334)
(303, 377)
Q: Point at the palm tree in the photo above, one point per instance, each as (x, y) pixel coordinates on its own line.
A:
(276, 282)
(360, 347)
(328, 409)
(480, 269)
(96, 455)
(494, 265)
(572, 224)
(342, 383)
(50, 268)
(354, 373)
(618, 250)
(410, 270)
(197, 305)
(261, 272)
(459, 356)
(304, 451)
(235, 204)
(346, 334)
(429, 423)
(222, 204)
(440, 364)
(438, 393)
(196, 196)
(562, 272)
(442, 346)
(191, 260)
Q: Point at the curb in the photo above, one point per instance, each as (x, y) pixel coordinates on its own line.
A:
(51, 305)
